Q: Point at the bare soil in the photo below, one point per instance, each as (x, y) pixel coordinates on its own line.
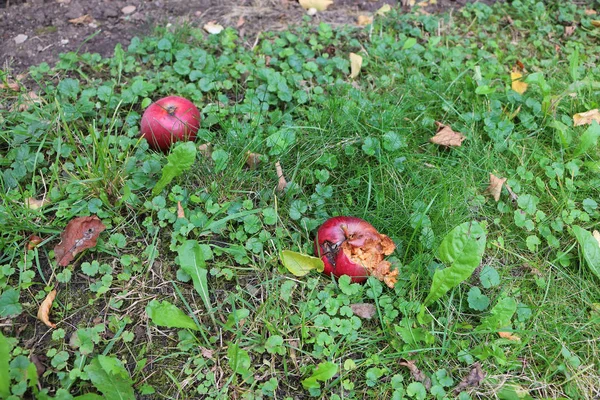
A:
(51, 28)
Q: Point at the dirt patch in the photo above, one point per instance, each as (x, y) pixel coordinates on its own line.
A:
(35, 31)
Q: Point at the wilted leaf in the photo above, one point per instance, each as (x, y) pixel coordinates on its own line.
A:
(128, 10)
(509, 336)
(34, 240)
(180, 210)
(81, 233)
(252, 160)
(495, 186)
(83, 20)
(355, 65)
(474, 378)
(319, 5)
(44, 310)
(34, 204)
(363, 20)
(166, 314)
(383, 10)
(518, 85)
(213, 28)
(446, 137)
(416, 373)
(363, 310)
(281, 183)
(586, 118)
(300, 264)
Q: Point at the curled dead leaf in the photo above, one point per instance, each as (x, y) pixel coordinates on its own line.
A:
(569, 30)
(319, 5)
(509, 336)
(495, 187)
(81, 233)
(180, 211)
(446, 137)
(363, 310)
(10, 85)
(83, 20)
(252, 160)
(34, 240)
(282, 183)
(241, 21)
(586, 118)
(206, 353)
(363, 20)
(213, 28)
(44, 310)
(34, 204)
(516, 77)
(205, 150)
(474, 378)
(355, 65)
(416, 373)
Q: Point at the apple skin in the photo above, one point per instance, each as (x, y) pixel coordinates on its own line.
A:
(169, 120)
(328, 245)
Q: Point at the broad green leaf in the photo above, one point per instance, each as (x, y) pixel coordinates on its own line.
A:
(166, 314)
(588, 139)
(410, 42)
(325, 370)
(9, 303)
(500, 315)
(191, 259)
(589, 247)
(181, 159)
(239, 360)
(477, 300)
(110, 377)
(4, 376)
(300, 264)
(462, 249)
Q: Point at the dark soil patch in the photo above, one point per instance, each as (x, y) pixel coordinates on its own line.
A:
(49, 32)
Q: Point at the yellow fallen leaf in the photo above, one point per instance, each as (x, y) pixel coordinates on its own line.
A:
(180, 210)
(44, 310)
(355, 65)
(34, 204)
(517, 84)
(213, 28)
(596, 23)
(363, 20)
(495, 187)
(509, 336)
(596, 235)
(252, 160)
(386, 8)
(446, 137)
(319, 5)
(586, 118)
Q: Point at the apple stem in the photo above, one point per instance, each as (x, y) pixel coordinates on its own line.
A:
(171, 110)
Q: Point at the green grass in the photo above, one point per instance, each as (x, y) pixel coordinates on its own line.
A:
(347, 147)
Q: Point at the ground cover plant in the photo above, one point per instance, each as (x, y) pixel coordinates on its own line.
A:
(469, 139)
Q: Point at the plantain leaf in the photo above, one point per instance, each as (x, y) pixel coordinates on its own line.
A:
(110, 377)
(463, 249)
(166, 314)
(4, 373)
(589, 247)
(300, 264)
(192, 260)
(181, 159)
(588, 139)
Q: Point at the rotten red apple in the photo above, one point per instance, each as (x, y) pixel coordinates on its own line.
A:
(169, 120)
(351, 246)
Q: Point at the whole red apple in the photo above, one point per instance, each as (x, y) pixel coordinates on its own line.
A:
(170, 120)
(351, 246)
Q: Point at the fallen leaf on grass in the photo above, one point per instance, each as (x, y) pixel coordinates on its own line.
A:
(509, 336)
(35, 204)
(83, 20)
(495, 187)
(205, 150)
(34, 240)
(81, 233)
(213, 28)
(363, 310)
(44, 310)
(416, 373)
(282, 183)
(29, 99)
(596, 23)
(363, 20)
(10, 85)
(569, 30)
(206, 353)
(589, 11)
(384, 9)
(446, 137)
(516, 78)
(252, 160)
(180, 211)
(596, 236)
(319, 5)
(300, 264)
(586, 118)
(241, 21)
(474, 378)
(355, 65)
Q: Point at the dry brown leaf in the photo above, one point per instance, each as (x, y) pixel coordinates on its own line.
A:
(213, 28)
(596, 235)
(495, 187)
(29, 99)
(282, 183)
(34, 240)
(569, 30)
(83, 20)
(363, 20)
(319, 5)
(206, 353)
(596, 23)
(474, 378)
(10, 85)
(180, 211)
(509, 336)
(241, 21)
(355, 65)
(446, 137)
(517, 82)
(252, 160)
(586, 118)
(128, 10)
(416, 373)
(34, 204)
(205, 150)
(363, 310)
(81, 233)
(589, 11)
(384, 9)
(44, 310)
